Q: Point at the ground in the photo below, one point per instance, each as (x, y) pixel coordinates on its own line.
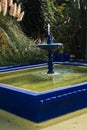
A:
(74, 121)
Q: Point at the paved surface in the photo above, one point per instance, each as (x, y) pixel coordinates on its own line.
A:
(74, 121)
(77, 123)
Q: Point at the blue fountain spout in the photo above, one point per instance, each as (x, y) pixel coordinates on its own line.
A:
(49, 40)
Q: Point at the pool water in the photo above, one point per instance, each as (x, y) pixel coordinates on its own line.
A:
(37, 80)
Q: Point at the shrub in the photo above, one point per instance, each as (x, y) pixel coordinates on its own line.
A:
(19, 48)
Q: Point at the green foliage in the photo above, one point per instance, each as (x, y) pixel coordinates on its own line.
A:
(38, 13)
(20, 49)
(71, 26)
(62, 31)
(67, 25)
(3, 39)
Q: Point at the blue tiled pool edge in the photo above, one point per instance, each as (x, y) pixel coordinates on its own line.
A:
(43, 106)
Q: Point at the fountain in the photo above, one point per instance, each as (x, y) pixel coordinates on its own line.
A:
(50, 47)
(41, 106)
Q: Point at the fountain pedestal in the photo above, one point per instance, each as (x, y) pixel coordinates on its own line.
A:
(50, 47)
(50, 63)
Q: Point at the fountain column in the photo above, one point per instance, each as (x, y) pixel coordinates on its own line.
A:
(50, 47)
(50, 56)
